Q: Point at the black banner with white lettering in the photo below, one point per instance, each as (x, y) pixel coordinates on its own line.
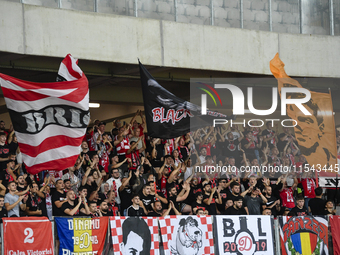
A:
(168, 116)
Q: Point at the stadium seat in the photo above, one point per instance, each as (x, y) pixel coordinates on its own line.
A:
(235, 23)
(197, 21)
(231, 4)
(293, 29)
(320, 31)
(204, 12)
(264, 26)
(248, 15)
(66, 5)
(274, 6)
(189, 2)
(183, 19)
(164, 7)
(250, 25)
(257, 5)
(233, 14)
(218, 3)
(280, 28)
(276, 17)
(261, 16)
(220, 13)
(284, 7)
(203, 2)
(246, 4)
(289, 18)
(221, 23)
(191, 11)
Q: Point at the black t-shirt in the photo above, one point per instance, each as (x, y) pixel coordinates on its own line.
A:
(4, 151)
(67, 205)
(3, 214)
(192, 193)
(198, 206)
(154, 214)
(13, 147)
(131, 211)
(317, 206)
(251, 149)
(232, 211)
(57, 196)
(177, 204)
(35, 203)
(212, 207)
(147, 200)
(298, 212)
(270, 201)
(231, 148)
(125, 198)
(5, 177)
(108, 213)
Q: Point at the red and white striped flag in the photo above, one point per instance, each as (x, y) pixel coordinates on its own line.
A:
(49, 119)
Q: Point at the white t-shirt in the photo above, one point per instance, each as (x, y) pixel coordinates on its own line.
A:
(118, 184)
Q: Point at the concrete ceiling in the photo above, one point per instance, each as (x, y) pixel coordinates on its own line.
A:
(118, 84)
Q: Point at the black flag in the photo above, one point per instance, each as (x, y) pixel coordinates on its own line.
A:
(168, 116)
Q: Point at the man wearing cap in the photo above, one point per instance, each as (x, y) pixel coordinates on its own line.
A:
(8, 175)
(198, 204)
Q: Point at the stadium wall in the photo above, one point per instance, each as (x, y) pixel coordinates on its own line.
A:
(35, 30)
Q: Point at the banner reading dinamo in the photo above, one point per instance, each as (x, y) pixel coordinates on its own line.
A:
(81, 235)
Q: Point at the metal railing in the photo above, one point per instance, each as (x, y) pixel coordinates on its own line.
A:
(321, 17)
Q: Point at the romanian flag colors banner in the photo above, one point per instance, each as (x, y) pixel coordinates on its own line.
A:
(304, 235)
(28, 235)
(81, 235)
(334, 221)
(187, 235)
(134, 235)
(315, 133)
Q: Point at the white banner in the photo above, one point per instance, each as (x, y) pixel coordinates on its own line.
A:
(244, 235)
(187, 235)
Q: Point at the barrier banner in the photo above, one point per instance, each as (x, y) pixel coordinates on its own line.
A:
(28, 236)
(305, 235)
(334, 221)
(134, 235)
(185, 235)
(244, 235)
(81, 235)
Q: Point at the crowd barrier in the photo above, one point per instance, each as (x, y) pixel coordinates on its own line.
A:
(181, 235)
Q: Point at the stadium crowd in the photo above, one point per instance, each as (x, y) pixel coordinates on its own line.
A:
(125, 172)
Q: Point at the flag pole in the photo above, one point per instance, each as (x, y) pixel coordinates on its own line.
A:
(336, 177)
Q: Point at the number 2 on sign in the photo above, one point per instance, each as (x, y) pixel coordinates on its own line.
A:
(29, 235)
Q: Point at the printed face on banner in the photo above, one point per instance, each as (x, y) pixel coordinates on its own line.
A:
(248, 235)
(189, 235)
(134, 235)
(304, 235)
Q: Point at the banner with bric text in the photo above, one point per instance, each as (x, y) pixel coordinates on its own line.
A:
(81, 235)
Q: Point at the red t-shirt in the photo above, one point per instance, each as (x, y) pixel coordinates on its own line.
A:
(309, 187)
(287, 198)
